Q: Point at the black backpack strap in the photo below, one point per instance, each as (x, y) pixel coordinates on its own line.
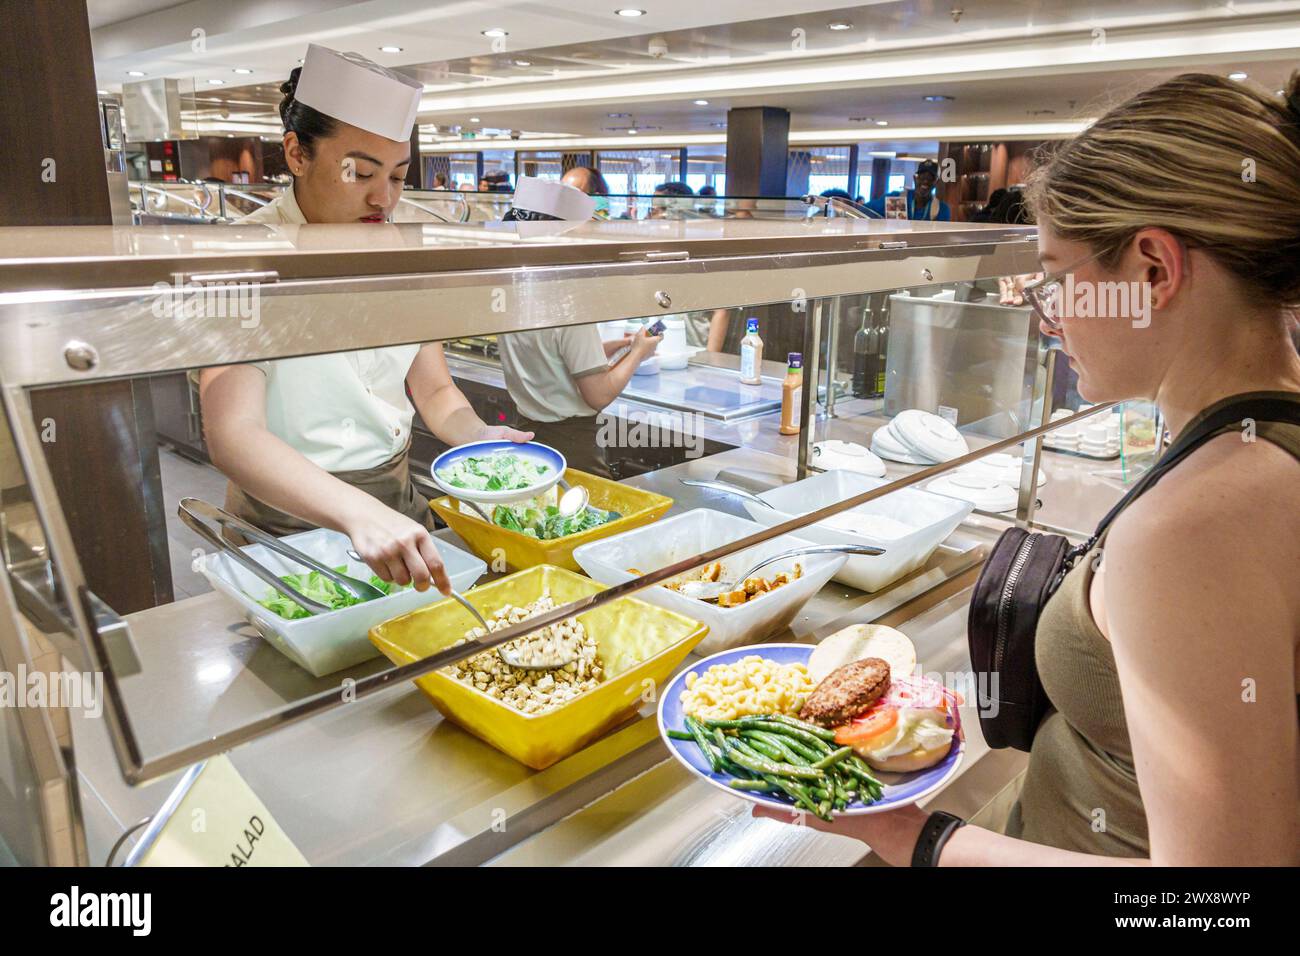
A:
(1258, 409)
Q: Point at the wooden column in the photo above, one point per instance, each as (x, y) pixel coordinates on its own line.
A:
(104, 458)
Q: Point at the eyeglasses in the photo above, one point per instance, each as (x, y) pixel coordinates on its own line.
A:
(1044, 295)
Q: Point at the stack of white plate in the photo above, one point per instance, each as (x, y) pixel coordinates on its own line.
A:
(915, 437)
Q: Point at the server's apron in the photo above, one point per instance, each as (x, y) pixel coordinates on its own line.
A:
(389, 482)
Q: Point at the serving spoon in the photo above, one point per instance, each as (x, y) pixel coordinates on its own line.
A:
(710, 591)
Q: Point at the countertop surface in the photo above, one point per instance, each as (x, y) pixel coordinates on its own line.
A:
(387, 780)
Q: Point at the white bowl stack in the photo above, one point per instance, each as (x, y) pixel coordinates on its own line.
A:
(1096, 437)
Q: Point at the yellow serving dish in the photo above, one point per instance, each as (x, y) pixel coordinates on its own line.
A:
(640, 646)
(493, 543)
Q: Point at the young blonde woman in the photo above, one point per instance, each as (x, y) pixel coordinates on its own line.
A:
(1173, 665)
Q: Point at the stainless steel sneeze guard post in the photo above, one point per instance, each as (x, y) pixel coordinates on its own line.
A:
(308, 312)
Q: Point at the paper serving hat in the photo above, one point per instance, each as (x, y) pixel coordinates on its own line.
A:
(553, 198)
(358, 91)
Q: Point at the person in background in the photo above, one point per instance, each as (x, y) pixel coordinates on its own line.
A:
(922, 203)
(324, 440)
(497, 181)
(560, 378)
(990, 208)
(660, 208)
(708, 191)
(1171, 652)
(591, 182)
(440, 181)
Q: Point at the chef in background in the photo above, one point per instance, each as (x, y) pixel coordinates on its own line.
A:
(561, 378)
(324, 440)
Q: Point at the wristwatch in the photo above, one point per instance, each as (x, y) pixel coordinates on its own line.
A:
(938, 828)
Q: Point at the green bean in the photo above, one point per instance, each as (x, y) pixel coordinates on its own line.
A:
(799, 794)
(797, 747)
(807, 739)
(697, 732)
(803, 725)
(681, 735)
(735, 753)
(767, 750)
(763, 785)
(787, 753)
(832, 759)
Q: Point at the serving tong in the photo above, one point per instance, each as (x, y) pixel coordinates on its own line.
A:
(193, 511)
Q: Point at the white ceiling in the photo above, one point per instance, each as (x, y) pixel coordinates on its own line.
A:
(567, 64)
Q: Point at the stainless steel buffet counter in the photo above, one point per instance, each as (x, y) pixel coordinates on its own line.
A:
(387, 781)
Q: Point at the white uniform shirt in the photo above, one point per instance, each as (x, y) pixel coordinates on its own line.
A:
(541, 368)
(345, 411)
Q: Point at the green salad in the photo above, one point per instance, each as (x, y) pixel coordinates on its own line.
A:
(319, 588)
(543, 521)
(499, 471)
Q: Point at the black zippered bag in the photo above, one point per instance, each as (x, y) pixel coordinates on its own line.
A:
(1024, 570)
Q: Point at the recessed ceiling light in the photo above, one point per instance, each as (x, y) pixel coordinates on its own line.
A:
(631, 132)
(242, 70)
(882, 122)
(102, 92)
(494, 32)
(134, 73)
(701, 102)
(840, 25)
(217, 82)
(473, 119)
(1237, 75)
(937, 98)
(390, 49)
(523, 62)
(630, 12)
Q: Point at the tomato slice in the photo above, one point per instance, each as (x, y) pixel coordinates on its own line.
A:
(861, 731)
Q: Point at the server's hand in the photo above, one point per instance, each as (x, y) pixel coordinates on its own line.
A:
(504, 433)
(397, 548)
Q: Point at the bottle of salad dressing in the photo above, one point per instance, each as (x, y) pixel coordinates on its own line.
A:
(751, 354)
(791, 388)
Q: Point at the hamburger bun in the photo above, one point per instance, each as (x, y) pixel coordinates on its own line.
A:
(918, 759)
(858, 641)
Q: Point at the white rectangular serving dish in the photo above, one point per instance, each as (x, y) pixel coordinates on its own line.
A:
(681, 536)
(328, 642)
(933, 516)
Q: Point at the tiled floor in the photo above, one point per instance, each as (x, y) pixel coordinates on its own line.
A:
(184, 478)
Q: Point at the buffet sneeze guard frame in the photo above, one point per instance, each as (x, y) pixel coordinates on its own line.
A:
(105, 325)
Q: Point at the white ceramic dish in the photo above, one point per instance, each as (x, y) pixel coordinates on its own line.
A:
(327, 642)
(985, 493)
(536, 451)
(680, 536)
(887, 446)
(933, 517)
(928, 436)
(999, 467)
(832, 455)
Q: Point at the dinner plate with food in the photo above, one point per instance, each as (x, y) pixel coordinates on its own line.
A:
(845, 727)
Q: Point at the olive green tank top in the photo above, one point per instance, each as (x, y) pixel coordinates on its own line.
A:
(1080, 790)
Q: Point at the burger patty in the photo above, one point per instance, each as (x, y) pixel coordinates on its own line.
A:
(846, 692)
